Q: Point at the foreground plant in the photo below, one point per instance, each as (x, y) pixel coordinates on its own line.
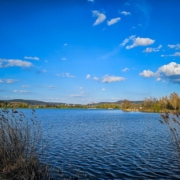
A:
(20, 146)
(172, 120)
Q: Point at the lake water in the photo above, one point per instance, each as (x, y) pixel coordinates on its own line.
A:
(108, 144)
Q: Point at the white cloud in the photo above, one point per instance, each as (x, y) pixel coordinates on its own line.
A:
(20, 91)
(49, 87)
(100, 19)
(175, 54)
(31, 58)
(174, 46)
(127, 40)
(140, 42)
(67, 75)
(8, 81)
(103, 89)
(149, 50)
(169, 72)
(5, 63)
(125, 13)
(109, 79)
(90, 0)
(125, 69)
(88, 76)
(65, 44)
(64, 59)
(147, 74)
(25, 86)
(96, 78)
(80, 87)
(113, 21)
(76, 96)
(171, 69)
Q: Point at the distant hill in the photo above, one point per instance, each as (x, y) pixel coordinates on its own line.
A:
(117, 102)
(31, 102)
(42, 103)
(135, 102)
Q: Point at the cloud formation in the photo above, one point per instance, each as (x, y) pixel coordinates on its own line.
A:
(67, 75)
(174, 46)
(76, 96)
(137, 42)
(170, 72)
(31, 58)
(100, 17)
(64, 59)
(5, 63)
(20, 91)
(88, 76)
(96, 78)
(25, 86)
(8, 81)
(147, 74)
(175, 54)
(125, 13)
(125, 69)
(113, 21)
(109, 79)
(149, 50)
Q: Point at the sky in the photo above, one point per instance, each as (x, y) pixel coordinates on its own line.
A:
(84, 51)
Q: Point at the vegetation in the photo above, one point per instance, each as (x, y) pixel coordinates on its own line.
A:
(20, 142)
(152, 104)
(172, 120)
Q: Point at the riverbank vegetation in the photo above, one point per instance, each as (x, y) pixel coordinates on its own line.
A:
(152, 104)
(172, 120)
(20, 146)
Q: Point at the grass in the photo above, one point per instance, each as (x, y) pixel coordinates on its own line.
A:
(20, 147)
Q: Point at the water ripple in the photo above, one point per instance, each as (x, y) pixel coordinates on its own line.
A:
(102, 144)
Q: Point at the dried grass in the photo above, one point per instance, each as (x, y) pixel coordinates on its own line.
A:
(173, 121)
(20, 147)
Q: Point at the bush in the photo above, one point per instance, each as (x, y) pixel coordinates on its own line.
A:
(20, 146)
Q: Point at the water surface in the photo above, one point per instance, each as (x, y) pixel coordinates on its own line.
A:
(108, 144)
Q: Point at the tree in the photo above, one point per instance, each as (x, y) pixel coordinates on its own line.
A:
(163, 102)
(126, 104)
(174, 100)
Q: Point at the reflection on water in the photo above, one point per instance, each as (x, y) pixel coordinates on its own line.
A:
(109, 144)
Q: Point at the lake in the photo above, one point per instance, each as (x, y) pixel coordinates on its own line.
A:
(108, 144)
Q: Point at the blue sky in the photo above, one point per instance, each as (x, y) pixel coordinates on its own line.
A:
(82, 51)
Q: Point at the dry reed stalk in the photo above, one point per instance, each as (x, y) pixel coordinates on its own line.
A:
(173, 122)
(20, 142)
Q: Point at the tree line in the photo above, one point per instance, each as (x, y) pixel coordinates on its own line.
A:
(152, 104)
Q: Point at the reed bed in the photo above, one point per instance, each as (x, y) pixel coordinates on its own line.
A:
(172, 120)
(20, 147)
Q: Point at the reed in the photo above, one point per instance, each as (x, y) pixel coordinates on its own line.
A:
(172, 120)
(20, 147)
